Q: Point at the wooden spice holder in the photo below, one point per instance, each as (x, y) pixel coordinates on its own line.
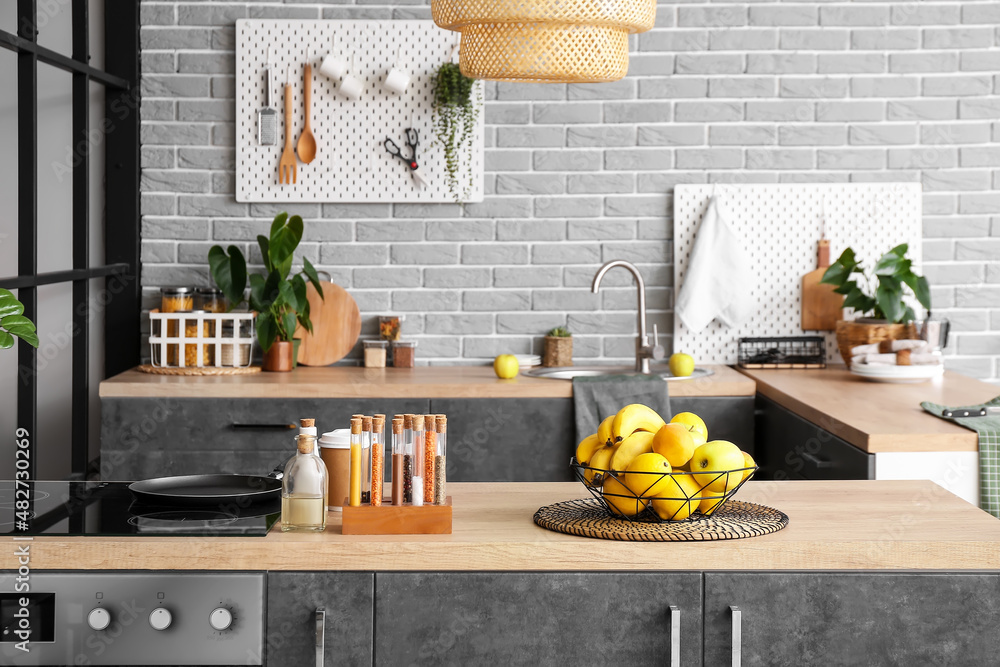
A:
(390, 519)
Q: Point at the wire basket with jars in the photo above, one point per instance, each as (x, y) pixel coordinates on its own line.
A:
(657, 496)
(198, 339)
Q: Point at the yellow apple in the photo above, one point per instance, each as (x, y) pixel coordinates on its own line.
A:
(716, 458)
(694, 423)
(506, 366)
(646, 475)
(748, 462)
(674, 442)
(679, 500)
(681, 365)
(620, 499)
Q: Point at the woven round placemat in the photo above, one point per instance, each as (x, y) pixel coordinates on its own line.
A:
(194, 370)
(734, 520)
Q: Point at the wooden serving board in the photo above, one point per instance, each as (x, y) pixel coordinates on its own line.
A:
(821, 306)
(336, 324)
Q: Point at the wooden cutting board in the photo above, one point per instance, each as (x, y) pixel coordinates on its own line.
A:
(821, 306)
(336, 324)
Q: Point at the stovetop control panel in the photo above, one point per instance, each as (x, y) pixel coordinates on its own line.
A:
(133, 619)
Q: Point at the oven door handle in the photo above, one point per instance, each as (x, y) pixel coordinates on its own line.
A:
(320, 636)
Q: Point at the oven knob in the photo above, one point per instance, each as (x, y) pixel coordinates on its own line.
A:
(98, 618)
(220, 619)
(160, 618)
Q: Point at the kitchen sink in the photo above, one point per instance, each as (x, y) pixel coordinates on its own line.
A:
(570, 372)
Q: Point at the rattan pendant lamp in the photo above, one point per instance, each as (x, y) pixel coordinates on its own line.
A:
(545, 41)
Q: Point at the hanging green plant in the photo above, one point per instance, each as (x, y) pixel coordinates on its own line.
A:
(13, 323)
(456, 110)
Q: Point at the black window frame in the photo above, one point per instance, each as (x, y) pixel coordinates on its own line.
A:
(120, 129)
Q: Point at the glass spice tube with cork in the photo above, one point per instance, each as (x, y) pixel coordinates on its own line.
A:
(366, 460)
(418, 461)
(430, 455)
(354, 488)
(378, 459)
(408, 458)
(441, 461)
(397, 461)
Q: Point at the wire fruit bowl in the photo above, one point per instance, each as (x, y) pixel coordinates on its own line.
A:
(671, 496)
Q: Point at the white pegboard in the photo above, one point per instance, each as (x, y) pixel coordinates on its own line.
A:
(351, 163)
(779, 226)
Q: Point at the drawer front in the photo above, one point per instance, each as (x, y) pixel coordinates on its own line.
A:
(791, 447)
(508, 439)
(153, 437)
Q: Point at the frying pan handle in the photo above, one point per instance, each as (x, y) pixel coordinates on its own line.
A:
(278, 472)
(237, 425)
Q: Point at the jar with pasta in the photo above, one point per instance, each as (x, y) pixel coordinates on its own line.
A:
(192, 327)
(174, 300)
(210, 300)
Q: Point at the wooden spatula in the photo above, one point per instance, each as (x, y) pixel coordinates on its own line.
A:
(821, 306)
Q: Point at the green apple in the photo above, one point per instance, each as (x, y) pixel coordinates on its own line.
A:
(681, 365)
(716, 458)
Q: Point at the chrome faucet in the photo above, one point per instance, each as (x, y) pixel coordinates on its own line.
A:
(643, 350)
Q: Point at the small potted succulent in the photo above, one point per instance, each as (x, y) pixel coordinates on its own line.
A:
(13, 323)
(882, 296)
(558, 348)
(279, 300)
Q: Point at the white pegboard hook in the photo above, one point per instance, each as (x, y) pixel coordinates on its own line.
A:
(454, 50)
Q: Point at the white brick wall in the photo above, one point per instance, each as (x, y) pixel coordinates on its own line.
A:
(580, 174)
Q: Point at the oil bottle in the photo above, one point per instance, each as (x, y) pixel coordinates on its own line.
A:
(304, 485)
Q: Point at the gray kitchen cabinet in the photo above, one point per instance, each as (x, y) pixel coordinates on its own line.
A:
(292, 601)
(536, 618)
(791, 447)
(152, 437)
(805, 618)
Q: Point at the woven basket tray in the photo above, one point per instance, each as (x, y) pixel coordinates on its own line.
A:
(194, 370)
(736, 519)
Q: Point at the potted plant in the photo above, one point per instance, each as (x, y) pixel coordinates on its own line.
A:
(279, 300)
(882, 297)
(13, 323)
(455, 114)
(558, 348)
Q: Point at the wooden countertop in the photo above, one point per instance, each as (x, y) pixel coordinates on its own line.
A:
(357, 382)
(836, 525)
(873, 416)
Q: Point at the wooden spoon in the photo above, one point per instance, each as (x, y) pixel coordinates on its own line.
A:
(306, 147)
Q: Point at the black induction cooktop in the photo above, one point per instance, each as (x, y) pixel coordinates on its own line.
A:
(107, 508)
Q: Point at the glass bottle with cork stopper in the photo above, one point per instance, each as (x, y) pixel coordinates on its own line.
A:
(304, 485)
(397, 461)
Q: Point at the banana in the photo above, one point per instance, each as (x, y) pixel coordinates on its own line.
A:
(587, 447)
(639, 442)
(600, 461)
(635, 417)
(604, 431)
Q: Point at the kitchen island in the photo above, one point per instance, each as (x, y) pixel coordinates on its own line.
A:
(866, 572)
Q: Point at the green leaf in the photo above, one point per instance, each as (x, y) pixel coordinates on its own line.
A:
(267, 330)
(892, 284)
(284, 241)
(890, 302)
(900, 250)
(9, 305)
(269, 292)
(229, 272)
(29, 337)
(289, 321)
(17, 320)
(299, 288)
(909, 315)
(310, 272)
(287, 295)
(859, 301)
(257, 292)
(888, 265)
(6, 340)
(848, 260)
(278, 223)
(20, 330)
(265, 251)
(835, 275)
(921, 289)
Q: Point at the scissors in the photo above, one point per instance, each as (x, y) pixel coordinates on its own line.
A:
(412, 141)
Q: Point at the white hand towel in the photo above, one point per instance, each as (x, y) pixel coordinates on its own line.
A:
(719, 275)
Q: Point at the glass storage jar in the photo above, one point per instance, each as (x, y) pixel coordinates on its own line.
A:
(375, 351)
(403, 353)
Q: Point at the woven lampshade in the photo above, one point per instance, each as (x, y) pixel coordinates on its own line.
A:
(549, 41)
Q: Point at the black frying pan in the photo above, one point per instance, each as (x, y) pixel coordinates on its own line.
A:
(202, 490)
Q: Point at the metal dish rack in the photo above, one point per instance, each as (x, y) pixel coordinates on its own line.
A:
(183, 340)
(783, 352)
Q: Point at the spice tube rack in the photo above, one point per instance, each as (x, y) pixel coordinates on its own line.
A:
(397, 519)
(203, 337)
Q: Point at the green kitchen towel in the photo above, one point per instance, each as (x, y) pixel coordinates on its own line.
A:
(988, 429)
(594, 398)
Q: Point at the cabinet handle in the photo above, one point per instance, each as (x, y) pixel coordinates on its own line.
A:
(737, 635)
(320, 635)
(262, 426)
(675, 636)
(816, 461)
